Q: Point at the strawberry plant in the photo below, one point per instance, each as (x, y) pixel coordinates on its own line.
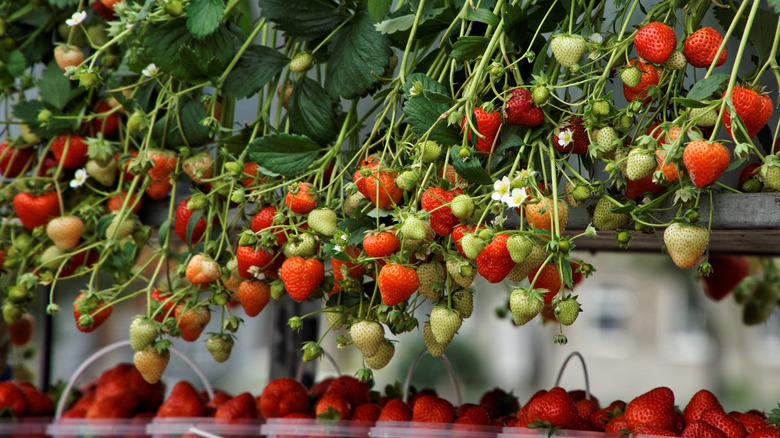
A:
(395, 153)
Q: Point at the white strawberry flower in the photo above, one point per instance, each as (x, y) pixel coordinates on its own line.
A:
(79, 178)
(76, 18)
(596, 38)
(150, 70)
(338, 248)
(518, 197)
(565, 137)
(501, 189)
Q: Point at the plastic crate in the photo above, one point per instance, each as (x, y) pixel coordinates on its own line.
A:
(203, 427)
(26, 427)
(297, 427)
(82, 427)
(519, 432)
(401, 429)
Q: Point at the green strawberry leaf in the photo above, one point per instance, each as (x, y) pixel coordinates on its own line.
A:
(483, 15)
(705, 88)
(567, 274)
(28, 111)
(356, 227)
(254, 70)
(396, 24)
(54, 86)
(378, 9)
(182, 125)
(690, 103)
(358, 53)
(470, 169)
(284, 154)
(204, 16)
(304, 19)
(774, 4)
(764, 24)
(469, 47)
(311, 112)
(422, 112)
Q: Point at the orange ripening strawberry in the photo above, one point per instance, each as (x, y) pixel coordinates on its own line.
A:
(68, 55)
(105, 8)
(705, 161)
(333, 407)
(184, 401)
(182, 223)
(301, 276)
(264, 220)
(554, 406)
(432, 409)
(250, 170)
(202, 269)
(395, 410)
(70, 150)
(192, 321)
(571, 136)
(753, 108)
(700, 48)
(701, 429)
(381, 243)
(14, 160)
(35, 211)
(669, 169)
(254, 295)
(115, 202)
(520, 110)
(487, 125)
(164, 164)
(282, 397)
(650, 77)
(494, 262)
(541, 214)
(377, 184)
(159, 190)
(94, 307)
(397, 283)
(654, 408)
(442, 219)
(655, 42)
(301, 199)
(241, 406)
(548, 278)
(727, 273)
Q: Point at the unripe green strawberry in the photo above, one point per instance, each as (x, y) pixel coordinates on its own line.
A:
(567, 49)
(12, 312)
(608, 138)
(431, 276)
(567, 311)
(220, 347)
(770, 172)
(435, 348)
(525, 305)
(639, 164)
(601, 108)
(519, 247)
(429, 151)
(413, 228)
(323, 221)
(462, 272)
(301, 62)
(686, 243)
(444, 323)
(676, 61)
(631, 76)
(303, 245)
(382, 356)
(105, 175)
(521, 270)
(751, 186)
(87, 78)
(334, 317)
(142, 333)
(626, 121)
(18, 294)
(277, 289)
(462, 206)
(311, 351)
(604, 220)
(52, 258)
(540, 95)
(367, 336)
(463, 303)
(353, 202)
(120, 228)
(174, 8)
(472, 245)
(407, 180)
(704, 117)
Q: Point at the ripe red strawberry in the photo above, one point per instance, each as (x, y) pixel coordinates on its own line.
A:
(70, 150)
(182, 220)
(241, 406)
(571, 136)
(701, 429)
(637, 188)
(650, 76)
(14, 160)
(94, 307)
(554, 406)
(192, 321)
(164, 164)
(105, 8)
(377, 184)
(600, 418)
(654, 408)
(282, 397)
(727, 273)
(469, 413)
(548, 278)
(254, 295)
(251, 261)
(301, 276)
(120, 405)
(367, 412)
(701, 402)
(38, 403)
(752, 422)
(202, 269)
(725, 422)
(655, 42)
(520, 110)
(68, 55)
(700, 48)
(351, 389)
(487, 125)
(105, 125)
(395, 410)
(115, 202)
(250, 170)
(499, 403)
(442, 219)
(302, 199)
(705, 161)
(617, 425)
(397, 283)
(333, 407)
(264, 220)
(159, 190)
(768, 432)
(432, 409)
(494, 262)
(380, 244)
(644, 430)
(35, 211)
(165, 300)
(20, 331)
(753, 108)
(184, 401)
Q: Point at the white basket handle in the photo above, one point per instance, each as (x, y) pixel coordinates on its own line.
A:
(447, 365)
(584, 371)
(115, 346)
